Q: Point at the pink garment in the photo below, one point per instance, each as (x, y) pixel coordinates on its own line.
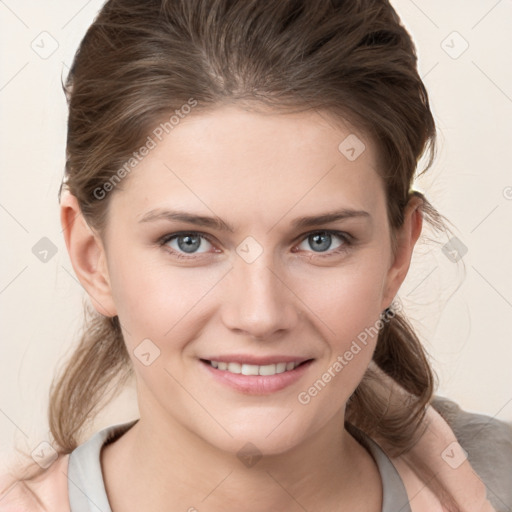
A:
(49, 491)
(46, 493)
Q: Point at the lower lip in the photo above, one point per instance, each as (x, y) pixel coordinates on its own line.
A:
(257, 384)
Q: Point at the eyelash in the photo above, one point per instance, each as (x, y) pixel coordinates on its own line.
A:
(348, 241)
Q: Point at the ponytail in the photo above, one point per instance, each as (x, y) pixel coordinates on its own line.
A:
(391, 418)
(96, 373)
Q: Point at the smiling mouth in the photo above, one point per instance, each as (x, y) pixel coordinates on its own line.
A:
(254, 369)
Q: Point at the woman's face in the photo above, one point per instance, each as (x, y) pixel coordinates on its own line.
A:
(273, 288)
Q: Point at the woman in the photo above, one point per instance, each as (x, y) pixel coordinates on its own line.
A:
(238, 207)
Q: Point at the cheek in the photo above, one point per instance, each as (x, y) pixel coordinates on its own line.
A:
(345, 300)
(156, 301)
(348, 313)
(347, 307)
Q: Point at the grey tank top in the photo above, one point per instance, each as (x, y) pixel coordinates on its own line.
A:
(87, 493)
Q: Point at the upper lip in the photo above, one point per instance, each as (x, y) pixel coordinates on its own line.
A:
(257, 360)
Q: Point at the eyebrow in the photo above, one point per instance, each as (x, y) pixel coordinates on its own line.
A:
(220, 225)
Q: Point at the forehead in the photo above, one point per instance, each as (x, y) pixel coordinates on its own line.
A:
(254, 165)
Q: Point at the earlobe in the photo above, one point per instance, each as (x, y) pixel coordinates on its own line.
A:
(87, 255)
(406, 238)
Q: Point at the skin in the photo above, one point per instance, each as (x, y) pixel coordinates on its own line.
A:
(257, 171)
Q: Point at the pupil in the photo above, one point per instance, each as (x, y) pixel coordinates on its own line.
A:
(318, 237)
(191, 244)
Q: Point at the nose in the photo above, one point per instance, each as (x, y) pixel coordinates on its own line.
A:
(259, 302)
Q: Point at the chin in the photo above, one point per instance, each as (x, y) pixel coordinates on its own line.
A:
(265, 434)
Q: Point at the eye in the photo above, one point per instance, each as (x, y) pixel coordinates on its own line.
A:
(321, 241)
(185, 244)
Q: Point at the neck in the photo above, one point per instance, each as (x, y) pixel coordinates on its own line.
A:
(159, 464)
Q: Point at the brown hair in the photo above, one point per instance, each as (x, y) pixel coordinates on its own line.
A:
(141, 61)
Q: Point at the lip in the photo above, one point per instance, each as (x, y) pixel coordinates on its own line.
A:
(257, 384)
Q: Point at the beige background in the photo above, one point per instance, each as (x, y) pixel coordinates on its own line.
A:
(463, 311)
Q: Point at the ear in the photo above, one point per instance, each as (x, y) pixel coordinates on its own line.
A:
(406, 238)
(87, 255)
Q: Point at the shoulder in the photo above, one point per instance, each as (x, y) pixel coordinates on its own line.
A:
(487, 442)
(46, 492)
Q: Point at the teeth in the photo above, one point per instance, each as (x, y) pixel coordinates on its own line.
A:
(282, 367)
(254, 369)
(233, 367)
(250, 369)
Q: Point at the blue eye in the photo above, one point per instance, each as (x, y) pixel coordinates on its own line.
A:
(321, 241)
(188, 243)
